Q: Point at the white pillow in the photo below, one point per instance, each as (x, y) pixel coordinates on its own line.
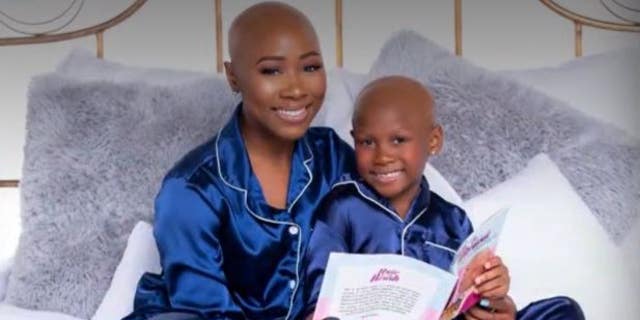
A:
(439, 185)
(342, 89)
(9, 232)
(140, 256)
(604, 85)
(553, 245)
(630, 248)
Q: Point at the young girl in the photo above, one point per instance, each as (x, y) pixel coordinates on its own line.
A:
(388, 206)
(233, 216)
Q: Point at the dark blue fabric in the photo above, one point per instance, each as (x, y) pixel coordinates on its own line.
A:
(353, 218)
(556, 308)
(225, 253)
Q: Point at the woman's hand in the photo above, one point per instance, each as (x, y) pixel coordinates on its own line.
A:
(498, 309)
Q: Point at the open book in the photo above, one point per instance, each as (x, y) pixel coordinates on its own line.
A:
(391, 286)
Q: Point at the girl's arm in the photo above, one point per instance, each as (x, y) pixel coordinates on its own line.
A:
(328, 236)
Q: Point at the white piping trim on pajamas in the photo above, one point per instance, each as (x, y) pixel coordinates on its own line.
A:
(246, 205)
(404, 230)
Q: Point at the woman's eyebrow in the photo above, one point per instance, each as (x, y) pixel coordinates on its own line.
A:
(280, 58)
(308, 54)
(277, 58)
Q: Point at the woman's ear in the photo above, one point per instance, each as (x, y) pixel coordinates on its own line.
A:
(436, 139)
(231, 77)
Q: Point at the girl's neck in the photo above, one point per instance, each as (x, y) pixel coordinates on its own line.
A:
(402, 204)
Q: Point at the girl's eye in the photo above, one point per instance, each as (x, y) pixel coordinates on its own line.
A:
(365, 142)
(399, 140)
(270, 71)
(312, 67)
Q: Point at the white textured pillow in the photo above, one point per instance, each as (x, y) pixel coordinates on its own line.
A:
(10, 312)
(553, 245)
(83, 64)
(5, 270)
(99, 147)
(604, 85)
(140, 256)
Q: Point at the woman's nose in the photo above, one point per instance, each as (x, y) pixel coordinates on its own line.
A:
(294, 87)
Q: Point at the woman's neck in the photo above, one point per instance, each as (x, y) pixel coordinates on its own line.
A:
(266, 146)
(270, 160)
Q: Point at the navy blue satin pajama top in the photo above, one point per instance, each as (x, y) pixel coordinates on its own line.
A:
(354, 218)
(225, 253)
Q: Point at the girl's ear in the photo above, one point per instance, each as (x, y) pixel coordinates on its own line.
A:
(436, 140)
(231, 77)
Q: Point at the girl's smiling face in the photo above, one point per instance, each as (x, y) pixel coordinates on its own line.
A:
(395, 133)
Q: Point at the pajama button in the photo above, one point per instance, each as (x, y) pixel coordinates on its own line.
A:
(293, 230)
(292, 284)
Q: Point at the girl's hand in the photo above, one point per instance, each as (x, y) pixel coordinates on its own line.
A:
(498, 309)
(493, 282)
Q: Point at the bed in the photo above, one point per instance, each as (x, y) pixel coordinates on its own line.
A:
(101, 134)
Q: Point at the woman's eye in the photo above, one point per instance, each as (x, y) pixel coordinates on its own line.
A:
(312, 67)
(270, 71)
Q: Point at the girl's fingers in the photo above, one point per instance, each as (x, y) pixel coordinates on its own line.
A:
(495, 293)
(479, 313)
(492, 261)
(494, 273)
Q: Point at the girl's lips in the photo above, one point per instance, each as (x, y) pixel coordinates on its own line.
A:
(386, 177)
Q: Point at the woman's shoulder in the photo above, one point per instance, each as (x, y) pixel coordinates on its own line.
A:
(202, 157)
(325, 137)
(345, 192)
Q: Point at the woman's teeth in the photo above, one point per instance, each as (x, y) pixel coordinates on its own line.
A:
(297, 114)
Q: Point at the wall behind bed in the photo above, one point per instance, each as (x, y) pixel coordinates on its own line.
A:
(497, 34)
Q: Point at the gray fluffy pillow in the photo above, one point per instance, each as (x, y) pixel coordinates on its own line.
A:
(95, 155)
(494, 125)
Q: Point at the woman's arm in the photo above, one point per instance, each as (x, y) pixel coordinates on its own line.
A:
(186, 229)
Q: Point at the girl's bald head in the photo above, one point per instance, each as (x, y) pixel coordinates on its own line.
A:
(404, 94)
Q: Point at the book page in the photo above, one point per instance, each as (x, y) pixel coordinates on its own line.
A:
(467, 263)
(382, 286)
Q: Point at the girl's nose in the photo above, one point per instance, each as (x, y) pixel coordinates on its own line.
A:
(383, 155)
